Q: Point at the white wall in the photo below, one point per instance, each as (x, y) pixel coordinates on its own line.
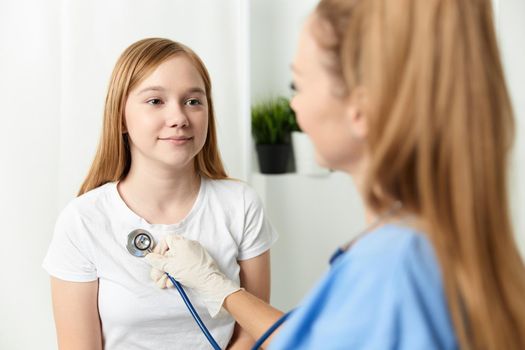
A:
(511, 31)
(57, 56)
(313, 216)
(275, 26)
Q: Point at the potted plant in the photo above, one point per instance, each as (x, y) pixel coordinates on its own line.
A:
(271, 123)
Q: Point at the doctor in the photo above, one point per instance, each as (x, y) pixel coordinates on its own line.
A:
(409, 98)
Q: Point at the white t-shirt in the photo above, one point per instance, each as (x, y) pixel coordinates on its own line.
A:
(89, 243)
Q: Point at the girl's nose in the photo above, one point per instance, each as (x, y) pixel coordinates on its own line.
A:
(176, 118)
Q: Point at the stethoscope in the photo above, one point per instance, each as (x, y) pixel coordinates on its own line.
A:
(140, 243)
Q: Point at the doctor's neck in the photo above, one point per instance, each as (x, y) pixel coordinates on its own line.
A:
(358, 174)
(357, 171)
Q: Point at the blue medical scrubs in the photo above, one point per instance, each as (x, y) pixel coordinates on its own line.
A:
(386, 292)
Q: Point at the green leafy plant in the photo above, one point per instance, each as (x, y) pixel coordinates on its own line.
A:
(272, 121)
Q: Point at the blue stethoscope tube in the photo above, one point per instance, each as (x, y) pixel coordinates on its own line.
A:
(340, 251)
(270, 330)
(194, 313)
(205, 330)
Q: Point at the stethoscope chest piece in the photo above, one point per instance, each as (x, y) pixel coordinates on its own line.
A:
(140, 243)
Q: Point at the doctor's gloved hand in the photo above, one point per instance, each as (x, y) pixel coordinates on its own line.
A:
(191, 265)
(158, 276)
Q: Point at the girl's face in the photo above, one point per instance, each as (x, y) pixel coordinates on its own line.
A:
(333, 123)
(166, 115)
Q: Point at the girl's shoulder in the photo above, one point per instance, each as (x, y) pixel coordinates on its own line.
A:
(234, 190)
(93, 202)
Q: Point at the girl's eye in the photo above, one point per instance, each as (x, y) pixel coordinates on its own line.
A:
(193, 102)
(154, 101)
(293, 87)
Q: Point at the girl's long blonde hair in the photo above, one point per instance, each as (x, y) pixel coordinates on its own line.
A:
(440, 131)
(113, 158)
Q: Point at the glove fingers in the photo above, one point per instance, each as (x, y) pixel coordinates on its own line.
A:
(155, 274)
(159, 277)
(157, 261)
(161, 282)
(172, 241)
(162, 247)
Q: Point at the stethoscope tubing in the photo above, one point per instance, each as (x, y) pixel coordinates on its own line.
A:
(194, 313)
(340, 251)
(203, 328)
(270, 330)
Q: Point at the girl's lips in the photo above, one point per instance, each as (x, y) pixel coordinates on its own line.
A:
(177, 140)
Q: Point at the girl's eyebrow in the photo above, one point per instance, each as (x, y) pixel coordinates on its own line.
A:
(196, 90)
(151, 88)
(162, 89)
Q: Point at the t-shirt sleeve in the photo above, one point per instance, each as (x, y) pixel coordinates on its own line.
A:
(258, 233)
(68, 257)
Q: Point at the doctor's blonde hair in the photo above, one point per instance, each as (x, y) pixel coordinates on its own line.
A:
(440, 130)
(113, 158)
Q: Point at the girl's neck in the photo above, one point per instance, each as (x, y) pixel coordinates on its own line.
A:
(159, 195)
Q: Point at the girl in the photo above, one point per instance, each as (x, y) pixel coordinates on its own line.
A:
(409, 98)
(157, 168)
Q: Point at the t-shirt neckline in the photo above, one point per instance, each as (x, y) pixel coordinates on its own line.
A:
(143, 223)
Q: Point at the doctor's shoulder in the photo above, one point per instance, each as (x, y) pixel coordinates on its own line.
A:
(396, 254)
(398, 275)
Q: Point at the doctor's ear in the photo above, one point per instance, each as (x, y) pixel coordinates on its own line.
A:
(356, 113)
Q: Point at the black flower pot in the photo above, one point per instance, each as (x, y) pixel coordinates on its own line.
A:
(273, 159)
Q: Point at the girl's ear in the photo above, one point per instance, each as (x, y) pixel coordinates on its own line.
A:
(124, 126)
(356, 113)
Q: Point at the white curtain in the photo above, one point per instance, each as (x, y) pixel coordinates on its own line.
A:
(56, 59)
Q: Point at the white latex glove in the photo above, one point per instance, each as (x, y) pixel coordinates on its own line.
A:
(159, 276)
(191, 265)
